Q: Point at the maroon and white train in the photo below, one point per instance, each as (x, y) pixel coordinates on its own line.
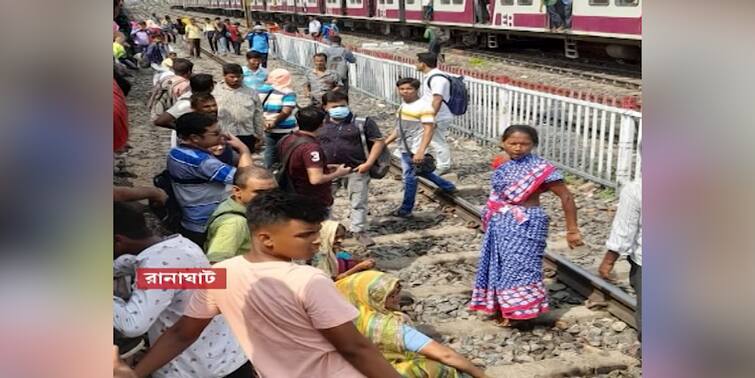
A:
(609, 22)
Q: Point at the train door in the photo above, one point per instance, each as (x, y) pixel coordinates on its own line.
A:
(402, 10)
(321, 6)
(371, 8)
(344, 10)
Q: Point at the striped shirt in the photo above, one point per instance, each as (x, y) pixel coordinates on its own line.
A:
(412, 116)
(274, 105)
(198, 200)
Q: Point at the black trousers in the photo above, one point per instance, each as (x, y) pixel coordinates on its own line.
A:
(264, 60)
(237, 47)
(245, 371)
(249, 140)
(212, 41)
(197, 237)
(635, 279)
(195, 44)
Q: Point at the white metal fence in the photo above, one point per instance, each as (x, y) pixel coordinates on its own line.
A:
(595, 141)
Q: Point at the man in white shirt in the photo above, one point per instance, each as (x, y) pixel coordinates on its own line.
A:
(314, 27)
(436, 89)
(216, 353)
(626, 240)
(199, 83)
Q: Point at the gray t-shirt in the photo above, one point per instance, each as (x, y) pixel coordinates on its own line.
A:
(319, 85)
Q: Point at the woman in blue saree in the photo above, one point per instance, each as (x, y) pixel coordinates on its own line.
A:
(509, 280)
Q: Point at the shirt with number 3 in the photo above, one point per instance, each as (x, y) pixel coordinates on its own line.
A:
(305, 156)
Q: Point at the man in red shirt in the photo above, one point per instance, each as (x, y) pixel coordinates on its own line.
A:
(307, 171)
(235, 36)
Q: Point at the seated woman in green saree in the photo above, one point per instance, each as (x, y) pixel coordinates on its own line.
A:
(413, 354)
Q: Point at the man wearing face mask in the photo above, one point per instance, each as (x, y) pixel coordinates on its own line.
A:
(341, 141)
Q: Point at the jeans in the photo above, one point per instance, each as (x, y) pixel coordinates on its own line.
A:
(566, 13)
(211, 39)
(554, 18)
(410, 183)
(439, 145)
(270, 153)
(222, 45)
(236, 47)
(358, 187)
(635, 279)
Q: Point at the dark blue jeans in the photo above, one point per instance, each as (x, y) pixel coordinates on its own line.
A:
(270, 153)
(554, 17)
(410, 183)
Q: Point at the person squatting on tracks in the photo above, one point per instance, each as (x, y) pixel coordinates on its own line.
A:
(509, 280)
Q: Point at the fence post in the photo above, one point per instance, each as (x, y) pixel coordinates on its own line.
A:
(625, 150)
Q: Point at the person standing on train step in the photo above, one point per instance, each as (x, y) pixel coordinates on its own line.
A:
(239, 107)
(554, 18)
(259, 42)
(414, 131)
(625, 239)
(341, 140)
(339, 58)
(314, 27)
(436, 89)
(427, 10)
(565, 9)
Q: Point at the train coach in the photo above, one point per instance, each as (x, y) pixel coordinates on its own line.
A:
(615, 24)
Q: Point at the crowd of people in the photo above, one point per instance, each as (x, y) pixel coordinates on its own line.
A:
(295, 303)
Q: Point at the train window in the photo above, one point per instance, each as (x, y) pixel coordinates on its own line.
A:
(507, 2)
(458, 1)
(599, 2)
(524, 2)
(410, 1)
(627, 3)
(445, 1)
(382, 1)
(389, 1)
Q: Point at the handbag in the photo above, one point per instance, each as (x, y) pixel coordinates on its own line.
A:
(383, 162)
(428, 163)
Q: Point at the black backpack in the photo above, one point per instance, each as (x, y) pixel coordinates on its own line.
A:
(459, 95)
(280, 170)
(170, 215)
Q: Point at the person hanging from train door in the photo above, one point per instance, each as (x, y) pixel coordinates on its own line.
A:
(427, 10)
(482, 15)
(554, 17)
(565, 9)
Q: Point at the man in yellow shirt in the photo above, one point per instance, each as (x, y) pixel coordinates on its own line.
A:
(194, 35)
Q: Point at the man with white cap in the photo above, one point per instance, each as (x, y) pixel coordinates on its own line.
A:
(259, 42)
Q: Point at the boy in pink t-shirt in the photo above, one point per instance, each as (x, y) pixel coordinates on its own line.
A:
(290, 319)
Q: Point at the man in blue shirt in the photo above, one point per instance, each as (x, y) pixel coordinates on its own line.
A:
(259, 41)
(254, 74)
(199, 178)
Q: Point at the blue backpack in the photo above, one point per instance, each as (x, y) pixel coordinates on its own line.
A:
(458, 100)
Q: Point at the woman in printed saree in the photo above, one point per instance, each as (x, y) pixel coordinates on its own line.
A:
(331, 258)
(509, 280)
(414, 355)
